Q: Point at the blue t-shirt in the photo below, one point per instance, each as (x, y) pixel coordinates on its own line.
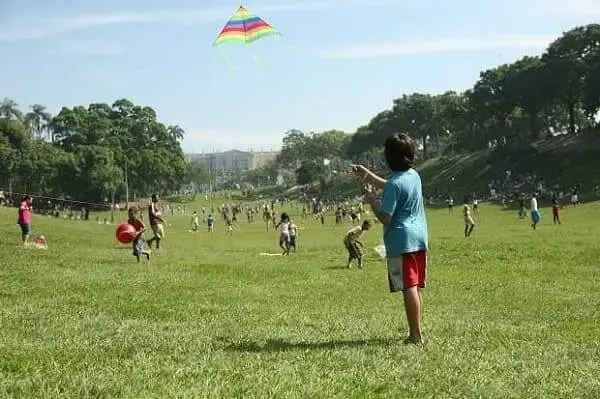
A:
(403, 199)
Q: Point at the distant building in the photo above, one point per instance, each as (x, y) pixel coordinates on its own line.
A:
(234, 160)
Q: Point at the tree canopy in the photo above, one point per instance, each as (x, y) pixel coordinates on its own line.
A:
(84, 152)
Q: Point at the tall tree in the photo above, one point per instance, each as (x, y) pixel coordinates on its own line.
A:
(10, 109)
(566, 60)
(38, 120)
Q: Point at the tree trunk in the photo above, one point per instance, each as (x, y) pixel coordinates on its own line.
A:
(535, 133)
(112, 208)
(425, 147)
(571, 110)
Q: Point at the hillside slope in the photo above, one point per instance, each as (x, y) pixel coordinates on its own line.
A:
(561, 160)
(565, 161)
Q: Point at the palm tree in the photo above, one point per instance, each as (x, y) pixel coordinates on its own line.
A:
(39, 119)
(176, 132)
(10, 109)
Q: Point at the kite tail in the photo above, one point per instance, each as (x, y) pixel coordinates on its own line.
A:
(227, 61)
(254, 56)
(258, 61)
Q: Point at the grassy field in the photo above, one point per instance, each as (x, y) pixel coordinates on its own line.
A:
(510, 313)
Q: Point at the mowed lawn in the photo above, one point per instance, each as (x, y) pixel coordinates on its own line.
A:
(510, 313)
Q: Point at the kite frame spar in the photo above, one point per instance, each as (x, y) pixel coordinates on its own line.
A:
(244, 27)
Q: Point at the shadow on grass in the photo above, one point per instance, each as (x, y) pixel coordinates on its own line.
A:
(281, 345)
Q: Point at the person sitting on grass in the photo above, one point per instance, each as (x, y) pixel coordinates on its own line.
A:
(140, 228)
(402, 212)
(354, 246)
(469, 223)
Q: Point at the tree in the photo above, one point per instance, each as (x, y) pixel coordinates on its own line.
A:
(264, 175)
(591, 88)
(566, 58)
(414, 114)
(527, 88)
(197, 174)
(294, 149)
(310, 171)
(10, 110)
(38, 120)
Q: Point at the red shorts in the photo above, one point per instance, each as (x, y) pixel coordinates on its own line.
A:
(408, 270)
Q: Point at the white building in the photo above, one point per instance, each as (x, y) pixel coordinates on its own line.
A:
(234, 160)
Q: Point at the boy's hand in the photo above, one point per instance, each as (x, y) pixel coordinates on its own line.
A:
(370, 193)
(359, 170)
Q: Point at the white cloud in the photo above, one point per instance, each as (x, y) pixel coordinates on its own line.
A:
(438, 45)
(222, 140)
(590, 9)
(95, 47)
(31, 28)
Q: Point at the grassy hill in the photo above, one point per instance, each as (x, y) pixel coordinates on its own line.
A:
(560, 160)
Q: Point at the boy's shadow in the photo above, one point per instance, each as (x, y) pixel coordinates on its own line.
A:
(281, 345)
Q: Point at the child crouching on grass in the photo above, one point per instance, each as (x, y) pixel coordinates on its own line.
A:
(138, 242)
(353, 244)
(402, 213)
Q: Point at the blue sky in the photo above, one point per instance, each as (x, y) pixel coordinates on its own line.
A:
(338, 63)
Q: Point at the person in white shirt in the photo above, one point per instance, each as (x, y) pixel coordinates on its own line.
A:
(475, 205)
(195, 221)
(535, 213)
(284, 237)
(450, 202)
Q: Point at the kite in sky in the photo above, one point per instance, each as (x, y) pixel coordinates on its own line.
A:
(244, 27)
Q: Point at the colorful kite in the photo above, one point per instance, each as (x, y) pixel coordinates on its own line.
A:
(244, 27)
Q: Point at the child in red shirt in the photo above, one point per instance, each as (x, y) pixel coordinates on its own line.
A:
(24, 221)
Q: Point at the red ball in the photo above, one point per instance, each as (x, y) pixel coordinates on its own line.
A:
(125, 233)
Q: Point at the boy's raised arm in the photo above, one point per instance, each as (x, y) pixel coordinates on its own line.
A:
(368, 176)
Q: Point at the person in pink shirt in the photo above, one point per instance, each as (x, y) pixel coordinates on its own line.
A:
(24, 221)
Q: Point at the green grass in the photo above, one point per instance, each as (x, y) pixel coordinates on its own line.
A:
(510, 313)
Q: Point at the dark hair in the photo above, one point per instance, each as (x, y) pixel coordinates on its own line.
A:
(154, 196)
(399, 152)
(366, 225)
(284, 216)
(26, 198)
